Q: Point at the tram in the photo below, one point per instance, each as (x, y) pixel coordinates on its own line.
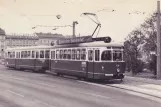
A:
(35, 58)
(90, 60)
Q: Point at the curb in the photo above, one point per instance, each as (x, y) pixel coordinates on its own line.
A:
(144, 80)
(134, 91)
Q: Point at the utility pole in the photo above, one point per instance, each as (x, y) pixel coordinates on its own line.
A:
(74, 23)
(158, 42)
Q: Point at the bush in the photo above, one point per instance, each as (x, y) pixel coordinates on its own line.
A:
(153, 63)
(140, 66)
(135, 66)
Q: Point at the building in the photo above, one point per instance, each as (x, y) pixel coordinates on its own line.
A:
(48, 38)
(21, 40)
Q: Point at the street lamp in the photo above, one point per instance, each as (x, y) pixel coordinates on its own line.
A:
(74, 23)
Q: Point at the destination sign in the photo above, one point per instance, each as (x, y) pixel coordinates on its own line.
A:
(75, 40)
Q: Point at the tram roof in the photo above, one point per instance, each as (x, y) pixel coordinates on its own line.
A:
(30, 47)
(92, 44)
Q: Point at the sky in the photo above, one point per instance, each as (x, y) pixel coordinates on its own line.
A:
(19, 16)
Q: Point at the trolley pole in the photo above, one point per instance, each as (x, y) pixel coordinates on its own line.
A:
(158, 42)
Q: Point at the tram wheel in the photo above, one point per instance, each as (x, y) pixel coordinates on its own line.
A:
(121, 80)
(42, 71)
(58, 74)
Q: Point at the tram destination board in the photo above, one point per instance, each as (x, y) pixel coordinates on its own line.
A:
(83, 39)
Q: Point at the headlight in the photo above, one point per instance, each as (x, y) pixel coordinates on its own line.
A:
(118, 70)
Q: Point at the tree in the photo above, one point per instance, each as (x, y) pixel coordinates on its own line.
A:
(150, 30)
(2, 32)
(143, 40)
(132, 48)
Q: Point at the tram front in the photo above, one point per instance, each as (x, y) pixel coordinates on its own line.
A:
(113, 65)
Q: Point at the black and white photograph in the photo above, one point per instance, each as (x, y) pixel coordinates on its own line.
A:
(80, 53)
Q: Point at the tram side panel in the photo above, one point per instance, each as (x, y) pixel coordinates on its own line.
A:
(98, 73)
(68, 67)
(109, 70)
(26, 63)
(17, 63)
(39, 65)
(90, 69)
(10, 62)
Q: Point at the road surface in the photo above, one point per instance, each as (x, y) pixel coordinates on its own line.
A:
(27, 89)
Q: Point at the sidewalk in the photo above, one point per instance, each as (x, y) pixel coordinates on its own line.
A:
(146, 86)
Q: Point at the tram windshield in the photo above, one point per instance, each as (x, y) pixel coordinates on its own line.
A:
(117, 55)
(108, 54)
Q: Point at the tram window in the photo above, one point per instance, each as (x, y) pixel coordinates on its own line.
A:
(47, 54)
(33, 54)
(97, 54)
(106, 55)
(69, 54)
(8, 55)
(117, 55)
(25, 54)
(57, 54)
(37, 54)
(52, 54)
(21, 54)
(16, 54)
(90, 55)
(61, 54)
(73, 53)
(78, 54)
(83, 54)
(28, 54)
(65, 54)
(41, 54)
(13, 54)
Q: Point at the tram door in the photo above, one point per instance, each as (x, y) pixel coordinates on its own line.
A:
(52, 61)
(90, 71)
(17, 60)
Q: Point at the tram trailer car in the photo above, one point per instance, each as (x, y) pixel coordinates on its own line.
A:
(95, 60)
(35, 58)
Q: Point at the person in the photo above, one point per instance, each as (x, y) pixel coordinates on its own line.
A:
(90, 55)
(41, 54)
